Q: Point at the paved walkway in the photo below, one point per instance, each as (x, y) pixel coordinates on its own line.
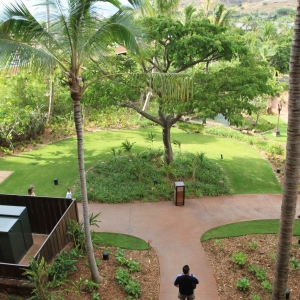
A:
(175, 231)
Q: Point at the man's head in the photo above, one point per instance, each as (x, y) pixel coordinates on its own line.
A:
(186, 269)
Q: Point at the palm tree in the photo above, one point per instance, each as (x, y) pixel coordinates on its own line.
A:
(77, 33)
(221, 15)
(292, 165)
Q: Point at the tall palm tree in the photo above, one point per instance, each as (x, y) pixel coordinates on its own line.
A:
(76, 34)
(292, 165)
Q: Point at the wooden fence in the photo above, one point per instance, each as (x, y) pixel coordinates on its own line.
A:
(48, 216)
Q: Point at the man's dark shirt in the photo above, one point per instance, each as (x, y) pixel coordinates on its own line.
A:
(185, 284)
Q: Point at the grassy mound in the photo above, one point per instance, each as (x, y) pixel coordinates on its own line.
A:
(145, 176)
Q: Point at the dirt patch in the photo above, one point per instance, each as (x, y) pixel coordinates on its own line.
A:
(227, 272)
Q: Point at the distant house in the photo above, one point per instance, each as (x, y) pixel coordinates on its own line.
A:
(120, 50)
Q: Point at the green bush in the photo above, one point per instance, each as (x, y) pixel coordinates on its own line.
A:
(243, 284)
(144, 176)
(239, 258)
(267, 286)
(295, 263)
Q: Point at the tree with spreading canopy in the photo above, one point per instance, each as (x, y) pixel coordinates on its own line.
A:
(180, 53)
(77, 33)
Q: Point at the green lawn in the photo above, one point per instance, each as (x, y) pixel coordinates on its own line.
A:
(124, 241)
(282, 127)
(247, 170)
(244, 228)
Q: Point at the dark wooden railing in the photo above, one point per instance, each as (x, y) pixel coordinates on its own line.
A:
(48, 216)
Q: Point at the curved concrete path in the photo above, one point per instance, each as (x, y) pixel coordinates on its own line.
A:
(175, 231)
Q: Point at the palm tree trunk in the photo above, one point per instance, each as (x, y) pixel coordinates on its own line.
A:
(291, 179)
(77, 96)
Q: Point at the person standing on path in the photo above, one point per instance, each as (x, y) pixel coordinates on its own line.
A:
(69, 193)
(186, 283)
(31, 191)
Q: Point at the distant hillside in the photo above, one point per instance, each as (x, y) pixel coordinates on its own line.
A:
(249, 6)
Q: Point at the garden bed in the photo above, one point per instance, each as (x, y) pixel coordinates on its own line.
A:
(261, 252)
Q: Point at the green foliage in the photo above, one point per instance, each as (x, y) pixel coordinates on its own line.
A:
(177, 143)
(295, 263)
(75, 229)
(272, 255)
(131, 286)
(219, 244)
(239, 258)
(151, 138)
(255, 297)
(269, 147)
(63, 265)
(95, 296)
(127, 146)
(285, 11)
(123, 276)
(243, 284)
(253, 245)
(132, 265)
(37, 274)
(259, 273)
(90, 285)
(143, 176)
(190, 127)
(267, 286)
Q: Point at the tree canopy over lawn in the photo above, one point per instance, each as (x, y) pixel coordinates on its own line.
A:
(226, 77)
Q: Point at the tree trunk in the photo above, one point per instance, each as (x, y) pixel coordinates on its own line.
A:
(166, 135)
(77, 96)
(291, 178)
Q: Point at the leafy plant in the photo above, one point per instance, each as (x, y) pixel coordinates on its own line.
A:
(219, 244)
(133, 288)
(75, 229)
(295, 263)
(123, 276)
(255, 297)
(37, 274)
(127, 146)
(259, 273)
(266, 285)
(132, 265)
(90, 285)
(252, 245)
(272, 255)
(95, 296)
(239, 258)
(63, 265)
(177, 143)
(243, 284)
(151, 138)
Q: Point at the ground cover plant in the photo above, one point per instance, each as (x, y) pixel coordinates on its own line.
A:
(248, 251)
(144, 176)
(58, 160)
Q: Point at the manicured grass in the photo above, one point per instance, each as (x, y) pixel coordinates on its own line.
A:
(282, 127)
(244, 228)
(121, 240)
(247, 170)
